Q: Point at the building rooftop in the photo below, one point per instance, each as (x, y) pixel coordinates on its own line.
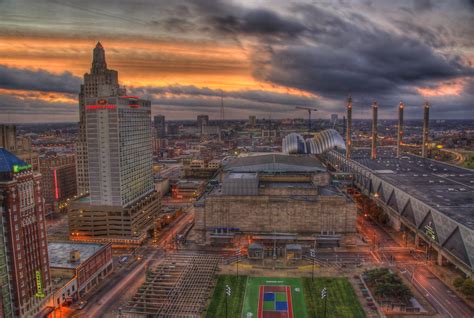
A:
(275, 163)
(8, 161)
(287, 185)
(446, 188)
(59, 253)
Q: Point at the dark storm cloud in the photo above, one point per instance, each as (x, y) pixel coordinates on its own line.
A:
(342, 57)
(378, 67)
(175, 97)
(254, 96)
(23, 79)
(14, 105)
(257, 22)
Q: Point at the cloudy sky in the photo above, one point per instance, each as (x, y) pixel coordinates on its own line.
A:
(264, 57)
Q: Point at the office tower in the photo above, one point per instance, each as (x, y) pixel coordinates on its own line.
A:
(121, 205)
(119, 148)
(173, 129)
(202, 120)
(24, 267)
(252, 121)
(334, 118)
(58, 180)
(160, 128)
(8, 137)
(101, 81)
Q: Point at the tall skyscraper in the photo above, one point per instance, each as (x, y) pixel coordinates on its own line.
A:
(24, 266)
(160, 128)
(116, 161)
(252, 121)
(202, 121)
(8, 137)
(99, 82)
(119, 148)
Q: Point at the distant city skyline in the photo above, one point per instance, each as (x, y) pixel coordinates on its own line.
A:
(263, 59)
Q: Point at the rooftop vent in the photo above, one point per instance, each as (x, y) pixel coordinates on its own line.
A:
(74, 256)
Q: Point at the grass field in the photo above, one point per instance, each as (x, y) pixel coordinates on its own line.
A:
(252, 295)
(342, 301)
(305, 297)
(234, 302)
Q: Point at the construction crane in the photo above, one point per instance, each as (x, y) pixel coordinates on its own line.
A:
(309, 110)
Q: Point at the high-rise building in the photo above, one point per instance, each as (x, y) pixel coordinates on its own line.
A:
(160, 128)
(119, 147)
(334, 119)
(101, 81)
(8, 137)
(202, 121)
(24, 270)
(58, 180)
(173, 129)
(121, 205)
(252, 121)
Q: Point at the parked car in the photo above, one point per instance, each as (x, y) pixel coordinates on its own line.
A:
(82, 304)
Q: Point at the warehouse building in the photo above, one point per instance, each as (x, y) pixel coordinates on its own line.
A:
(431, 200)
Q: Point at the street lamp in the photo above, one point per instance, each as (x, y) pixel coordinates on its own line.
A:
(239, 251)
(313, 255)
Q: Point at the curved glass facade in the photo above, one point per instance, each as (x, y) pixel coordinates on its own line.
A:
(323, 141)
(294, 144)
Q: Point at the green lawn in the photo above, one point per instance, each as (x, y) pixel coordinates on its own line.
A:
(305, 296)
(252, 295)
(234, 302)
(342, 301)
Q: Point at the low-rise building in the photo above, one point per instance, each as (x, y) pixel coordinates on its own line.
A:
(214, 164)
(76, 268)
(188, 189)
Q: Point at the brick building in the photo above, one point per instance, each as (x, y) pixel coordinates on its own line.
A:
(24, 269)
(83, 265)
(58, 180)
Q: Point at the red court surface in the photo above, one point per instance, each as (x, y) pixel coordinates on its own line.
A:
(277, 313)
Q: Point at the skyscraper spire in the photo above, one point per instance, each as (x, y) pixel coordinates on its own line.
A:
(98, 60)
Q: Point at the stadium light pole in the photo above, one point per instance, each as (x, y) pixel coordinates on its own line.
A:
(238, 260)
(324, 295)
(228, 292)
(313, 254)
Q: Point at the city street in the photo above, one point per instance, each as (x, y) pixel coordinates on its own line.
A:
(113, 293)
(435, 291)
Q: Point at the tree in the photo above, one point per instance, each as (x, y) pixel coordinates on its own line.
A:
(458, 281)
(468, 287)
